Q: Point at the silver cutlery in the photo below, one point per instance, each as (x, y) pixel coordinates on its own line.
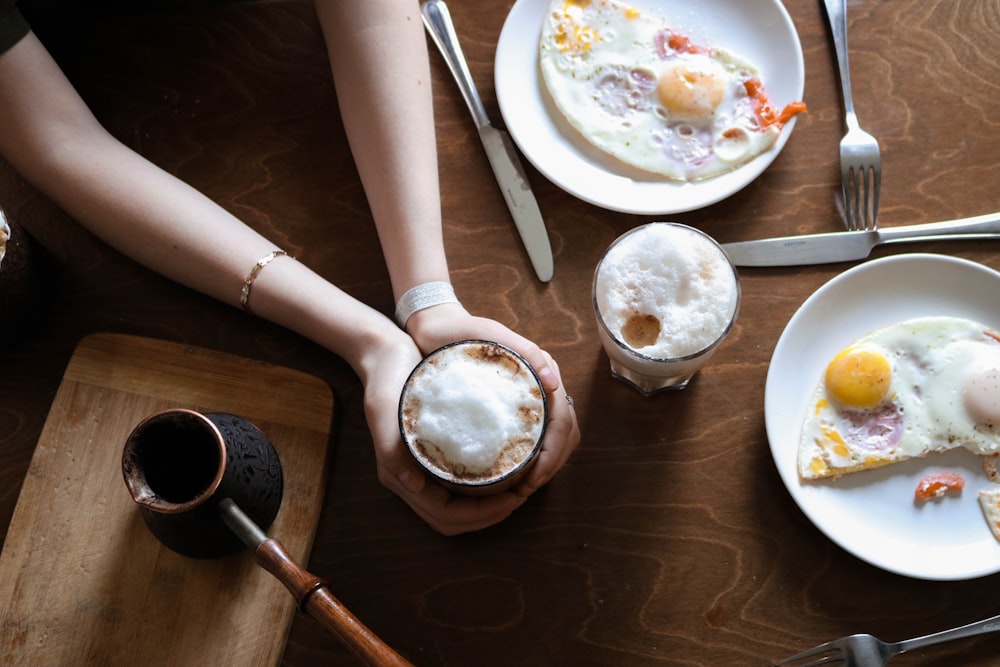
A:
(854, 245)
(868, 651)
(498, 145)
(860, 160)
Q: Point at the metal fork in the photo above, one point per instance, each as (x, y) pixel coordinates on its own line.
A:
(869, 651)
(860, 160)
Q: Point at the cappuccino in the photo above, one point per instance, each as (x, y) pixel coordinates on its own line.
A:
(473, 415)
(665, 296)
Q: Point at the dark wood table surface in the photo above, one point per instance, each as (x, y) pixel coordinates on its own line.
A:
(668, 538)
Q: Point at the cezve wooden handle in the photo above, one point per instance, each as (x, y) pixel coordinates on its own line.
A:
(316, 599)
(310, 591)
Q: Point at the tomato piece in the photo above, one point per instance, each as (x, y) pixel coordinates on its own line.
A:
(766, 112)
(683, 44)
(937, 484)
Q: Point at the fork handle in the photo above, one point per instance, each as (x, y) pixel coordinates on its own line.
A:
(984, 626)
(836, 13)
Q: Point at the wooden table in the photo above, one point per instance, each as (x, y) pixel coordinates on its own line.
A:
(669, 537)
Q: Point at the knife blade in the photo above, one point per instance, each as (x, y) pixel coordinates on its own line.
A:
(847, 246)
(497, 143)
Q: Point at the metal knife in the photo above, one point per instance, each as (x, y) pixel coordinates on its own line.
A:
(499, 148)
(847, 246)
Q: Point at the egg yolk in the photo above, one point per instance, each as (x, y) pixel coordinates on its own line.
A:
(578, 40)
(858, 378)
(690, 92)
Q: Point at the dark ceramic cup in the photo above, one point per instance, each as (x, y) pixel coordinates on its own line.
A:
(178, 464)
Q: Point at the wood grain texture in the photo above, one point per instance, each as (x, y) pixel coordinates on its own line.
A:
(668, 539)
(84, 582)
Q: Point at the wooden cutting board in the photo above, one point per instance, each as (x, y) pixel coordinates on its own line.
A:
(84, 582)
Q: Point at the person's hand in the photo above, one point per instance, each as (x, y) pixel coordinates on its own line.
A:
(385, 368)
(433, 327)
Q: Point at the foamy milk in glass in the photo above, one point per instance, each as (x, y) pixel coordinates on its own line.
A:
(473, 415)
(665, 296)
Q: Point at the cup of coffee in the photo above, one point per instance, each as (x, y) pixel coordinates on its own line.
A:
(665, 296)
(473, 415)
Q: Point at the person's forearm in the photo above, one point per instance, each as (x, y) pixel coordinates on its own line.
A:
(290, 294)
(378, 54)
(52, 139)
(152, 217)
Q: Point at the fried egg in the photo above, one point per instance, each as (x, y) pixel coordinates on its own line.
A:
(649, 96)
(920, 386)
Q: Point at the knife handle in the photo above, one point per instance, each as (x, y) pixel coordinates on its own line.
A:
(316, 599)
(437, 20)
(980, 224)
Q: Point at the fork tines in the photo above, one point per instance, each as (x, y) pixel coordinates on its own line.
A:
(861, 193)
(824, 654)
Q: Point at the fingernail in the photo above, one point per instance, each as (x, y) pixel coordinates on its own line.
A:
(412, 483)
(548, 378)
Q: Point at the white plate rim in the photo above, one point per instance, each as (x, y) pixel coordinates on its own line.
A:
(907, 540)
(552, 147)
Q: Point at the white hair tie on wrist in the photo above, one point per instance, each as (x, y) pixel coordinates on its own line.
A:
(421, 297)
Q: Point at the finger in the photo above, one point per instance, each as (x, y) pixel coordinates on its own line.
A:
(411, 477)
(562, 435)
(466, 515)
(452, 514)
(446, 512)
(549, 374)
(395, 462)
(540, 360)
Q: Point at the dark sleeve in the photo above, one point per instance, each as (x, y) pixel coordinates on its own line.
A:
(13, 27)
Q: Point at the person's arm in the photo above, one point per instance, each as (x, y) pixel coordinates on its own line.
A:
(52, 139)
(380, 63)
(378, 55)
(49, 135)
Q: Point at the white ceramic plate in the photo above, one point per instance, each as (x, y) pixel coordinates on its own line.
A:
(871, 513)
(759, 30)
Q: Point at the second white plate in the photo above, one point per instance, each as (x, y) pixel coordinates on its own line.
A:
(759, 30)
(871, 514)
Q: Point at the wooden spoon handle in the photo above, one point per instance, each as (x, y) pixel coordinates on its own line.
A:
(316, 599)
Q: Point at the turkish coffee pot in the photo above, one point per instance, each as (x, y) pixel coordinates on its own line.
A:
(205, 484)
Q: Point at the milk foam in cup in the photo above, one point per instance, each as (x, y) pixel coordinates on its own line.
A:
(665, 296)
(473, 414)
